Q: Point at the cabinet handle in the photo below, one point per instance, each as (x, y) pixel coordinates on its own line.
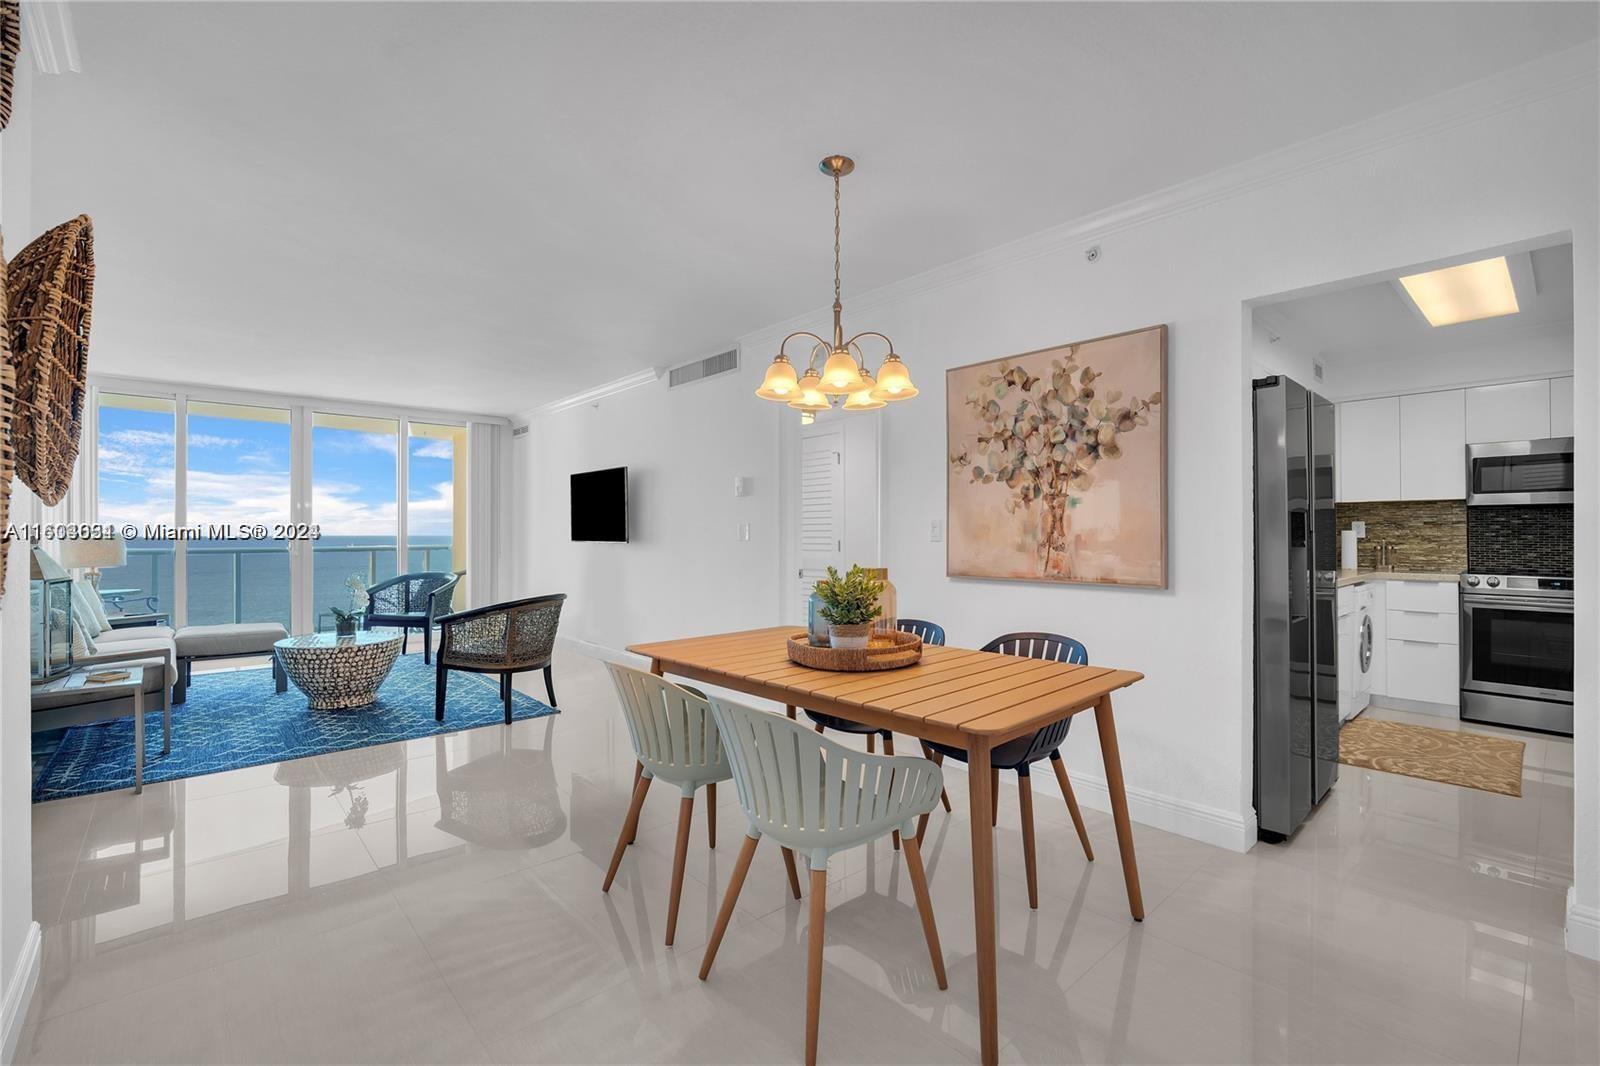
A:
(1431, 614)
(1424, 643)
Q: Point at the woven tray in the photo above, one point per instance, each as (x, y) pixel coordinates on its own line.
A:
(887, 651)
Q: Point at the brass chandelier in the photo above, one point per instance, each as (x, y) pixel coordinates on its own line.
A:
(844, 373)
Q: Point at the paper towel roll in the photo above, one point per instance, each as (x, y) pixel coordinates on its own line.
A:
(1347, 549)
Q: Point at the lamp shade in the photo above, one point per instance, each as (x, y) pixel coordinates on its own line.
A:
(894, 381)
(95, 552)
(864, 400)
(840, 374)
(780, 383)
(810, 397)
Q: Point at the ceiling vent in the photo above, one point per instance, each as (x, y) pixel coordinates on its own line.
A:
(701, 369)
(519, 431)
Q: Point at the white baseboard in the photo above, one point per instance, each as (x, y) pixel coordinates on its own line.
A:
(1583, 928)
(19, 994)
(1197, 821)
(1209, 825)
(1437, 710)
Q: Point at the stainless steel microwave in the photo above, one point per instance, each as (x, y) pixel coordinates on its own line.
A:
(1520, 472)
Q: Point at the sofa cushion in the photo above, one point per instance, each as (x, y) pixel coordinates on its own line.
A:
(84, 597)
(127, 649)
(112, 638)
(238, 638)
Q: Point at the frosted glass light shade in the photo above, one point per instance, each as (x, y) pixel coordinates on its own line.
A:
(810, 397)
(840, 374)
(864, 400)
(780, 383)
(894, 381)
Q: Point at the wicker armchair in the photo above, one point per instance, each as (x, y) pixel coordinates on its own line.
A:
(411, 601)
(502, 638)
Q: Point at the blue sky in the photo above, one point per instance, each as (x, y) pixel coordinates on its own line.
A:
(239, 472)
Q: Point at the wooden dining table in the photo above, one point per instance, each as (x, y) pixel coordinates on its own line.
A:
(954, 696)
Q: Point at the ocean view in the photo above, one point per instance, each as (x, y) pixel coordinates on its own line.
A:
(248, 581)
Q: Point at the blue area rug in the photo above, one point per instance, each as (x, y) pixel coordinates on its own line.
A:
(232, 719)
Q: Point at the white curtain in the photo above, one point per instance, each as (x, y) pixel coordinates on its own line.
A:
(488, 512)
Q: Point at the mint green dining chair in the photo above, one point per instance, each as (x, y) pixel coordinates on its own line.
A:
(675, 739)
(820, 798)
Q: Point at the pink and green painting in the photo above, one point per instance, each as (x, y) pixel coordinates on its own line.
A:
(1058, 466)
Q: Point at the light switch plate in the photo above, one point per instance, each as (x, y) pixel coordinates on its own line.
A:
(741, 486)
(1358, 528)
(935, 532)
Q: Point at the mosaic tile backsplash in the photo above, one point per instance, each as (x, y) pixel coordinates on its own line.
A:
(1428, 535)
(1520, 540)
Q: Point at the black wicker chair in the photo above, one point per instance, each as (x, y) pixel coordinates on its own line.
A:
(411, 601)
(502, 638)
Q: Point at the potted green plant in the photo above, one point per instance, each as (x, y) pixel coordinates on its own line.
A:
(849, 604)
(344, 619)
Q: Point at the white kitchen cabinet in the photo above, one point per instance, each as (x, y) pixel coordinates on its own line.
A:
(1561, 407)
(1440, 597)
(1369, 449)
(1424, 671)
(1518, 411)
(1433, 446)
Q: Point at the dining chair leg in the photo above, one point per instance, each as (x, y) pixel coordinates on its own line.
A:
(505, 694)
(819, 727)
(994, 797)
(938, 760)
(1072, 803)
(441, 682)
(919, 885)
(549, 686)
(1029, 859)
(789, 710)
(794, 874)
(922, 828)
(888, 749)
(679, 856)
(711, 815)
(638, 772)
(729, 898)
(819, 899)
(630, 825)
(871, 738)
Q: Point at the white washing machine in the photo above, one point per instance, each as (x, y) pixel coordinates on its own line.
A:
(1355, 650)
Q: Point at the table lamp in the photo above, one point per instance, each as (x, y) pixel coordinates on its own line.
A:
(93, 553)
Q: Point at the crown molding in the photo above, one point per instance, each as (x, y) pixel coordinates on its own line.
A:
(50, 39)
(596, 394)
(1574, 69)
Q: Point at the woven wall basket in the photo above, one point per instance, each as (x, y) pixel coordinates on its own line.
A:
(8, 390)
(10, 49)
(49, 290)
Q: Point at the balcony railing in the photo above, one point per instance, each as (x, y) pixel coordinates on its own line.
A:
(243, 596)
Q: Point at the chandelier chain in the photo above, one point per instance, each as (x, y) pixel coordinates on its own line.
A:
(836, 238)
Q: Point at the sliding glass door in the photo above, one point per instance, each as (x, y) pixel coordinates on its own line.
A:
(238, 476)
(436, 500)
(136, 449)
(355, 478)
(386, 495)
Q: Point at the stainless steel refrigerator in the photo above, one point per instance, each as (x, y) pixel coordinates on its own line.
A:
(1296, 615)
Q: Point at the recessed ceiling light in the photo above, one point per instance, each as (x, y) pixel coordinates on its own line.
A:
(1464, 293)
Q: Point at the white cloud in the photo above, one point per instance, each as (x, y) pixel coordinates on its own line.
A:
(436, 449)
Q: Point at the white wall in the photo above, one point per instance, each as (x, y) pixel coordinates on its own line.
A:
(683, 570)
(1462, 172)
(19, 937)
(1273, 353)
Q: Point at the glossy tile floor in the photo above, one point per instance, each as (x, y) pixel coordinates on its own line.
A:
(440, 901)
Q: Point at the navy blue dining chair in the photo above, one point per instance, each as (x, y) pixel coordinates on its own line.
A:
(1022, 753)
(931, 633)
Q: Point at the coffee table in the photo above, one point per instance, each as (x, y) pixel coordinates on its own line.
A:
(339, 672)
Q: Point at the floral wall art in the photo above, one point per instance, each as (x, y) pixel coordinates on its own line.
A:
(1058, 464)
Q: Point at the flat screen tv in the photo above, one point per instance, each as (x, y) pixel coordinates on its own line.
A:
(600, 505)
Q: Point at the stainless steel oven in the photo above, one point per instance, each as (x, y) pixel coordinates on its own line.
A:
(1516, 651)
(1520, 472)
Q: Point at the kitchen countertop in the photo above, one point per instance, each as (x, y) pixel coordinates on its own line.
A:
(1355, 577)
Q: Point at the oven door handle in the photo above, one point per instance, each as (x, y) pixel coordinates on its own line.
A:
(1518, 603)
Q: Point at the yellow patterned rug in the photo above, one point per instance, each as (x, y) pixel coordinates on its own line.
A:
(1472, 760)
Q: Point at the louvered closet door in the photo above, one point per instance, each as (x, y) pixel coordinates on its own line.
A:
(821, 508)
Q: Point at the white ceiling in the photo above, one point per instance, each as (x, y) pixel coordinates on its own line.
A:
(485, 207)
(1375, 320)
